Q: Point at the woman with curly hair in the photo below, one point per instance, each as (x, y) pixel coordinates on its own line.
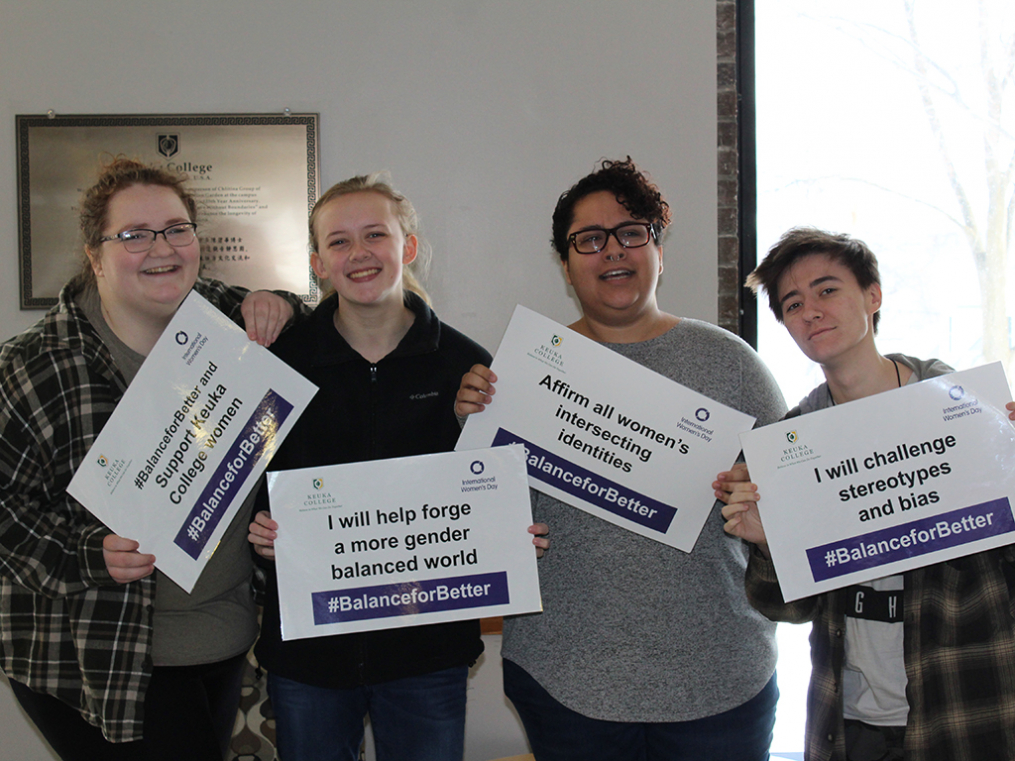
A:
(642, 651)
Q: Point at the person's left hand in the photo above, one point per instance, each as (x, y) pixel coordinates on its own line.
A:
(539, 532)
(263, 533)
(1010, 406)
(264, 315)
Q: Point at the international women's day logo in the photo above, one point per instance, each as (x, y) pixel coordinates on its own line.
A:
(474, 482)
(967, 404)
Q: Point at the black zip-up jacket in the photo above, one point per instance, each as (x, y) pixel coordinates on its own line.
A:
(403, 405)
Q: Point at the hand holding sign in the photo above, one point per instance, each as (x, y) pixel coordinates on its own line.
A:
(845, 504)
(390, 543)
(628, 458)
(187, 443)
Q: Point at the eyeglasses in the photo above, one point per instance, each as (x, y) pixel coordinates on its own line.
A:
(141, 240)
(628, 235)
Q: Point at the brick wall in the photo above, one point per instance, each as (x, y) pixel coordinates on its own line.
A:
(728, 228)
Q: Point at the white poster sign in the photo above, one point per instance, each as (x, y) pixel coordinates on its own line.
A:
(605, 434)
(188, 441)
(414, 540)
(888, 483)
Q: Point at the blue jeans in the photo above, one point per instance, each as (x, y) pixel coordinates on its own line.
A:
(557, 733)
(420, 718)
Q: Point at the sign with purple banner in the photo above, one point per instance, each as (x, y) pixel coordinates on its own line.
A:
(190, 439)
(413, 540)
(249, 449)
(887, 483)
(605, 434)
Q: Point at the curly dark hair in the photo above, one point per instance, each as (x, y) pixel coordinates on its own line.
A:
(632, 189)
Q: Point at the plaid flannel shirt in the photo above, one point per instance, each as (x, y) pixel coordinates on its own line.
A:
(959, 652)
(66, 628)
(959, 643)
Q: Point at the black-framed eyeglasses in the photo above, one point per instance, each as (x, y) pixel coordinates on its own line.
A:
(628, 235)
(141, 240)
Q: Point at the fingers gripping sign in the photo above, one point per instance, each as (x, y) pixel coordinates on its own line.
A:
(476, 391)
(123, 561)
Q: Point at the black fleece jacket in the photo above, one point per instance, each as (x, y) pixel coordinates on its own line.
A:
(403, 405)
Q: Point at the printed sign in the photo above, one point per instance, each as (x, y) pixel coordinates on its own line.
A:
(413, 540)
(605, 434)
(188, 441)
(887, 483)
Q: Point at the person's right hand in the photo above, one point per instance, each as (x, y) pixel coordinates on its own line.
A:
(263, 533)
(123, 561)
(476, 391)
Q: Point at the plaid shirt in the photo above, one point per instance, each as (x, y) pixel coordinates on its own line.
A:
(66, 628)
(959, 645)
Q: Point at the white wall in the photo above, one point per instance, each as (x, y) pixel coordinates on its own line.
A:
(483, 111)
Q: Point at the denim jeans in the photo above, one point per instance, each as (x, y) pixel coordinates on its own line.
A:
(557, 733)
(420, 718)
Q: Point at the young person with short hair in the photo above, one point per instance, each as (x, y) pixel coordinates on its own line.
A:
(925, 669)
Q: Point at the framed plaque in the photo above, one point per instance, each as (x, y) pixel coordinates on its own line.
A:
(255, 178)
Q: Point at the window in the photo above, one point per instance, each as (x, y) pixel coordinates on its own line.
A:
(891, 120)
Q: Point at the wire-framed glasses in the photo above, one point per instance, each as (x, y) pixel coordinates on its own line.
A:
(141, 240)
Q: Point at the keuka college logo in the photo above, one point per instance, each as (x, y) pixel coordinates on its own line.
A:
(318, 484)
(548, 353)
(797, 451)
(169, 145)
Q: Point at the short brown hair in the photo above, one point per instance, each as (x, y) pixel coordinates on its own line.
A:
(629, 185)
(801, 242)
(408, 220)
(120, 174)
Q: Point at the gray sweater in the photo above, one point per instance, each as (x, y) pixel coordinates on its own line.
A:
(635, 630)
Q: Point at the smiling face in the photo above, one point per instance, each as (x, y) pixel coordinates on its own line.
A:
(361, 249)
(148, 286)
(616, 284)
(826, 311)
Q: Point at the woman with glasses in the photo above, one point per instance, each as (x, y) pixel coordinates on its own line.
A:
(642, 651)
(108, 657)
